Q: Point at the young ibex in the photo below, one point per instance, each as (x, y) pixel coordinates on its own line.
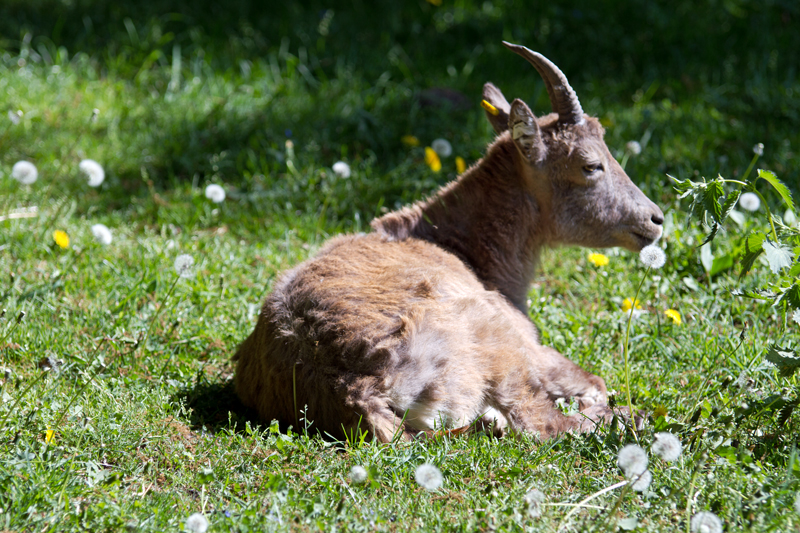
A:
(423, 324)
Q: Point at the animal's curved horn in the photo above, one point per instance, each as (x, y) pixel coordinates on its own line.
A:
(562, 97)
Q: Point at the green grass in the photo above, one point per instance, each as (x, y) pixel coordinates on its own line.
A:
(149, 431)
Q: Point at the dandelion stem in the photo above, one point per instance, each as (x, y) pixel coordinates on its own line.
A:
(158, 312)
(582, 503)
(625, 351)
(22, 395)
(750, 168)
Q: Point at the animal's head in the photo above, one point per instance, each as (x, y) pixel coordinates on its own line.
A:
(585, 196)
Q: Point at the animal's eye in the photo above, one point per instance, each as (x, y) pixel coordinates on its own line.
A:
(592, 168)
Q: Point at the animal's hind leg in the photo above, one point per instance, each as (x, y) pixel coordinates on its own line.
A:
(538, 414)
(366, 408)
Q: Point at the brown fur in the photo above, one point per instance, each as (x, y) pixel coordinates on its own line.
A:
(422, 324)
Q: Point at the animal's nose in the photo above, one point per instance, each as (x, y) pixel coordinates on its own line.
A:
(657, 217)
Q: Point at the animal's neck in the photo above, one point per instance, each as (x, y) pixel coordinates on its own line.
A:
(486, 218)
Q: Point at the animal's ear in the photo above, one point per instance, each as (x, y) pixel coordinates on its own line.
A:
(496, 107)
(525, 131)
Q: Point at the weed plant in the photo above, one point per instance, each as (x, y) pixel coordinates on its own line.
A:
(117, 410)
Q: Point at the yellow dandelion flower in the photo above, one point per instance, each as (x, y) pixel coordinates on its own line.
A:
(49, 435)
(61, 238)
(461, 165)
(409, 140)
(628, 304)
(674, 315)
(436, 3)
(598, 260)
(489, 108)
(432, 159)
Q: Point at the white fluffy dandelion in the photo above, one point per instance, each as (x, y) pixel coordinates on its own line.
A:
(24, 172)
(634, 147)
(796, 316)
(667, 446)
(341, 169)
(632, 460)
(533, 503)
(705, 522)
(652, 256)
(184, 265)
(101, 234)
(750, 201)
(358, 474)
(758, 149)
(196, 523)
(215, 193)
(428, 476)
(442, 147)
(642, 482)
(94, 172)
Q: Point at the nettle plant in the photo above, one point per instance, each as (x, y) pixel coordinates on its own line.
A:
(777, 240)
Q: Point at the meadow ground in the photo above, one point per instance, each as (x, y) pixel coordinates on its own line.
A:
(117, 410)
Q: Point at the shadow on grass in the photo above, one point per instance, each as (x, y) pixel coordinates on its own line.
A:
(214, 406)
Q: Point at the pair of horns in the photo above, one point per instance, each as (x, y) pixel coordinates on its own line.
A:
(562, 97)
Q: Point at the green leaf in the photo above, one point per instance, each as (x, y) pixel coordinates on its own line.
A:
(773, 180)
(706, 257)
(752, 249)
(778, 256)
(721, 264)
(730, 201)
(711, 199)
(785, 359)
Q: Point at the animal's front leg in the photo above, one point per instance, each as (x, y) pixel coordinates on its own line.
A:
(561, 378)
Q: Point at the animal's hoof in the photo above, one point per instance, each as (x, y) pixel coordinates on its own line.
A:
(601, 414)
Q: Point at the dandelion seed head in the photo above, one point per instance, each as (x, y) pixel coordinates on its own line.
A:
(749, 201)
(358, 474)
(758, 149)
(705, 522)
(428, 476)
(674, 315)
(533, 502)
(634, 147)
(94, 172)
(24, 172)
(632, 460)
(442, 147)
(184, 265)
(667, 446)
(15, 117)
(652, 256)
(101, 234)
(196, 523)
(796, 316)
(598, 260)
(215, 193)
(642, 481)
(341, 169)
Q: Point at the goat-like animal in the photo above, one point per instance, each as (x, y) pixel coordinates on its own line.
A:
(422, 325)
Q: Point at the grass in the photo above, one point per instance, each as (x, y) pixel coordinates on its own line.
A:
(146, 431)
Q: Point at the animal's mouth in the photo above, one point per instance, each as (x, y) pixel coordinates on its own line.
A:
(635, 240)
